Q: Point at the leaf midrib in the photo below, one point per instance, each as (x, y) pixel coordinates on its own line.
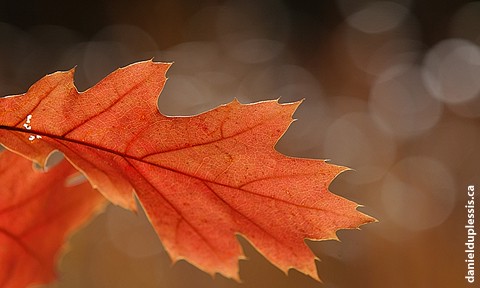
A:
(127, 156)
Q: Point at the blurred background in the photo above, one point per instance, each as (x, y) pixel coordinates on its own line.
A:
(391, 89)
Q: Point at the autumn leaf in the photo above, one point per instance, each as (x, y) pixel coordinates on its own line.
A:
(201, 179)
(37, 214)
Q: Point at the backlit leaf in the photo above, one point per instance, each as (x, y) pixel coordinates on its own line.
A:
(201, 179)
(37, 214)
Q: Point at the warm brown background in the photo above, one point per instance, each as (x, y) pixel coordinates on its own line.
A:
(391, 89)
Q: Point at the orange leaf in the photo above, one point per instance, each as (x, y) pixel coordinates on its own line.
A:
(201, 179)
(37, 214)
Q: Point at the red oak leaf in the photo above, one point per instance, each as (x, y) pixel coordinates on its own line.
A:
(201, 179)
(37, 214)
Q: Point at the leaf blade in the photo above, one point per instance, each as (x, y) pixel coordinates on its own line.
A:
(37, 214)
(202, 178)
